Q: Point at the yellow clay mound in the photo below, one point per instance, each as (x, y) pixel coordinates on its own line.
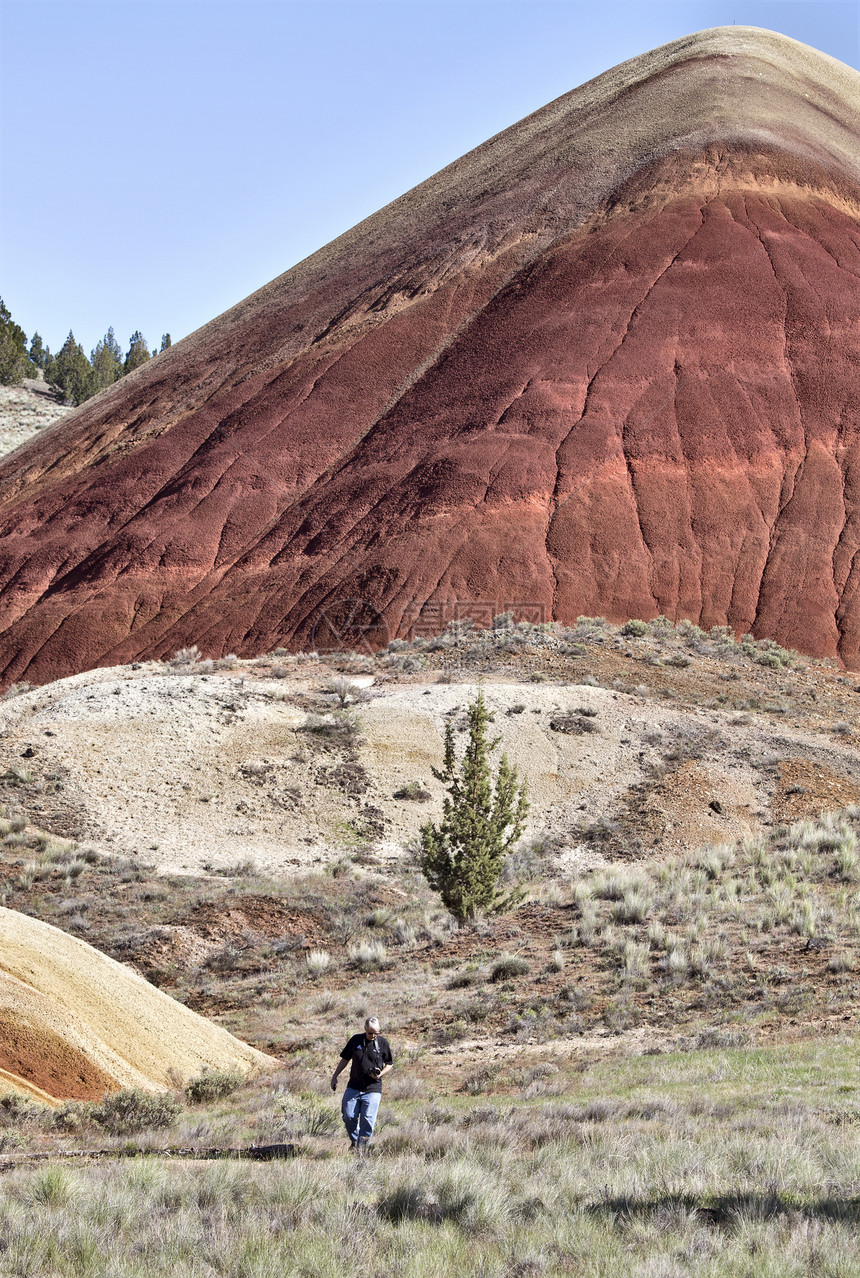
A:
(75, 1023)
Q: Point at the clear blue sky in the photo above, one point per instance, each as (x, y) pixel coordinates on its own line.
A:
(160, 161)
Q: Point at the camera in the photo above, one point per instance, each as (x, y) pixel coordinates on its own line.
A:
(373, 1063)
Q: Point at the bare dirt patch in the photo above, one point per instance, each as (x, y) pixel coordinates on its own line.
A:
(44, 1059)
(807, 787)
(262, 916)
(260, 763)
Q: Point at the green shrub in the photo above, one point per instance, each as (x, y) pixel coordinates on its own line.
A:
(133, 1110)
(409, 1200)
(634, 628)
(17, 1110)
(414, 792)
(509, 965)
(213, 1085)
(50, 1187)
(305, 1114)
(632, 908)
(462, 980)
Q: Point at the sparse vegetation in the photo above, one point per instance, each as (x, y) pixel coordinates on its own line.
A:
(318, 961)
(189, 661)
(211, 1085)
(414, 792)
(509, 966)
(132, 1110)
(676, 1133)
(368, 956)
(345, 691)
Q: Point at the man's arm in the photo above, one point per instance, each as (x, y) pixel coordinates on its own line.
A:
(389, 1063)
(341, 1066)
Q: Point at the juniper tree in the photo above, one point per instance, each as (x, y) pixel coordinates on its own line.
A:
(138, 352)
(71, 373)
(38, 352)
(14, 362)
(107, 360)
(463, 857)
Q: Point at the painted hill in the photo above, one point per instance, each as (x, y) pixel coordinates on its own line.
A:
(606, 363)
(75, 1023)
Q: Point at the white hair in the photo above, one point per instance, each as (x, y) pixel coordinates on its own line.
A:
(372, 1022)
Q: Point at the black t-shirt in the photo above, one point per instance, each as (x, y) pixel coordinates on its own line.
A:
(364, 1054)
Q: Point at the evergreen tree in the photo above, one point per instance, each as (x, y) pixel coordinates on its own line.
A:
(14, 362)
(165, 342)
(72, 373)
(138, 352)
(38, 352)
(464, 856)
(107, 361)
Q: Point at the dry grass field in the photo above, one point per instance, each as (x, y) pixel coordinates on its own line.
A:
(649, 1067)
(25, 410)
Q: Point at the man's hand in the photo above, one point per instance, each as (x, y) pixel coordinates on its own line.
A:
(341, 1066)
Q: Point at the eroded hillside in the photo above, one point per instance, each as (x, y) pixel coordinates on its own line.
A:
(607, 362)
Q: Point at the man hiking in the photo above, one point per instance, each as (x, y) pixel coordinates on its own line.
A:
(369, 1055)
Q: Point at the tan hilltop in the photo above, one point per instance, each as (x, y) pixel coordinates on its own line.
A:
(75, 1024)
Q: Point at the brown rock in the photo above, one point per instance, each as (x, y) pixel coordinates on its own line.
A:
(606, 363)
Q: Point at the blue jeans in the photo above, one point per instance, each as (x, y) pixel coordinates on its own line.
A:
(359, 1110)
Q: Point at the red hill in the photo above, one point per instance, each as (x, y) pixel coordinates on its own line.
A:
(609, 362)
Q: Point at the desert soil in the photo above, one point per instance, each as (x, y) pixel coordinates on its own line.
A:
(234, 817)
(193, 772)
(76, 1023)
